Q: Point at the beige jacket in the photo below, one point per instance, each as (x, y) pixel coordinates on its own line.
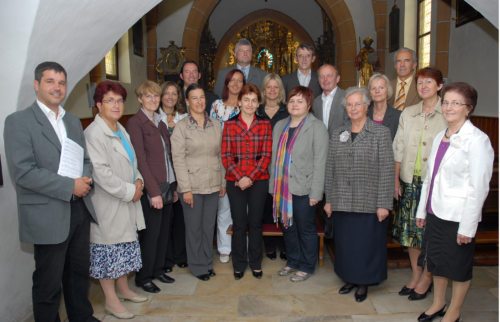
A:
(119, 218)
(196, 152)
(413, 123)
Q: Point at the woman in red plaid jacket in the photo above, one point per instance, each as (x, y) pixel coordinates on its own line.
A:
(246, 154)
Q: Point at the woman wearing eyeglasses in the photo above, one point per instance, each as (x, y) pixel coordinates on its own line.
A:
(151, 141)
(358, 191)
(114, 248)
(418, 125)
(457, 183)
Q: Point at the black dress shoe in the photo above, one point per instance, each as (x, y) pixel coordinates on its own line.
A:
(283, 256)
(427, 318)
(164, 278)
(257, 274)
(414, 296)
(361, 293)
(203, 277)
(211, 273)
(405, 291)
(150, 287)
(238, 275)
(347, 288)
(271, 256)
(168, 270)
(182, 265)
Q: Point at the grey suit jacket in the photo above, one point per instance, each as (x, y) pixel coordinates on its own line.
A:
(307, 171)
(338, 115)
(359, 174)
(292, 80)
(33, 151)
(255, 76)
(411, 99)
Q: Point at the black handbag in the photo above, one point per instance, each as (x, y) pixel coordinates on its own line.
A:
(167, 193)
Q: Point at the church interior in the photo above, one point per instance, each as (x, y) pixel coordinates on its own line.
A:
(131, 41)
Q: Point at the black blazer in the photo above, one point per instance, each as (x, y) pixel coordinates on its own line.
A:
(391, 118)
(292, 80)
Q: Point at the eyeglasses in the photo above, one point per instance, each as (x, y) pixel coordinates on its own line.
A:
(112, 101)
(356, 105)
(452, 104)
(150, 97)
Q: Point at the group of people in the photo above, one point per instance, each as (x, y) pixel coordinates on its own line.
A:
(275, 150)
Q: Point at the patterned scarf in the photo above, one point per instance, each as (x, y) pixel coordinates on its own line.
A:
(282, 202)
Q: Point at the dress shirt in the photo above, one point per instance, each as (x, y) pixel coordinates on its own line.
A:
(304, 79)
(407, 85)
(327, 105)
(244, 69)
(56, 121)
(246, 151)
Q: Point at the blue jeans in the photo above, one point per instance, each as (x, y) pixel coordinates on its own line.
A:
(301, 240)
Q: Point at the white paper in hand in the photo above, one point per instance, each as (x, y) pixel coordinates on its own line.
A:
(71, 162)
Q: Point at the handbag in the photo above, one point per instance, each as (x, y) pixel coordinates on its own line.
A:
(167, 193)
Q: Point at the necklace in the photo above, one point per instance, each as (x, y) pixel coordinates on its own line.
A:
(446, 134)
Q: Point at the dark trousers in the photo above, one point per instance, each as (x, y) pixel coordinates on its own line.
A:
(153, 241)
(176, 251)
(301, 240)
(67, 262)
(271, 242)
(247, 207)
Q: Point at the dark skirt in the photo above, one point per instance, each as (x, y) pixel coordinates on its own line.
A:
(404, 227)
(360, 247)
(445, 257)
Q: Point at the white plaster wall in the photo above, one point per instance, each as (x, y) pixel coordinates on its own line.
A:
(77, 35)
(16, 265)
(474, 59)
(364, 20)
(171, 24)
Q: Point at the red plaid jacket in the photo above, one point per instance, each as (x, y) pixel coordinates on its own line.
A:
(247, 152)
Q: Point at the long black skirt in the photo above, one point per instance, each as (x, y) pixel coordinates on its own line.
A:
(444, 257)
(360, 247)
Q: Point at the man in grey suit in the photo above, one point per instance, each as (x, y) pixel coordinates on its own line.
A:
(54, 213)
(304, 75)
(243, 53)
(328, 106)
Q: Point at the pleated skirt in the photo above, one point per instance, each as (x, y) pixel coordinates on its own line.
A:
(360, 247)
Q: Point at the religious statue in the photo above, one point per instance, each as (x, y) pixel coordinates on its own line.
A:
(365, 60)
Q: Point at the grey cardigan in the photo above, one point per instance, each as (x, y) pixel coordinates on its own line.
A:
(360, 174)
(307, 169)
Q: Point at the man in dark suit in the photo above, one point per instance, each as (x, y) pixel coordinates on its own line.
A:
(243, 53)
(54, 210)
(304, 75)
(405, 86)
(190, 74)
(328, 106)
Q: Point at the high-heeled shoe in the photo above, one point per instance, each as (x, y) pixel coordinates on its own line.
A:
(429, 317)
(405, 291)
(415, 296)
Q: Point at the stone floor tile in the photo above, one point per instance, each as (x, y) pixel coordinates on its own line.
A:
(398, 317)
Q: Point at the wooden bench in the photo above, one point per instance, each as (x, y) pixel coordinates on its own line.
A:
(270, 230)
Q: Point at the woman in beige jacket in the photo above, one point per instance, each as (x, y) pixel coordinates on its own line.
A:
(196, 152)
(114, 248)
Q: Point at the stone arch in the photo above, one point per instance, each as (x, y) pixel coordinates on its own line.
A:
(337, 11)
(253, 17)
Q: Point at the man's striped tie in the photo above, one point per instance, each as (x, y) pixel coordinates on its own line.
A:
(400, 101)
